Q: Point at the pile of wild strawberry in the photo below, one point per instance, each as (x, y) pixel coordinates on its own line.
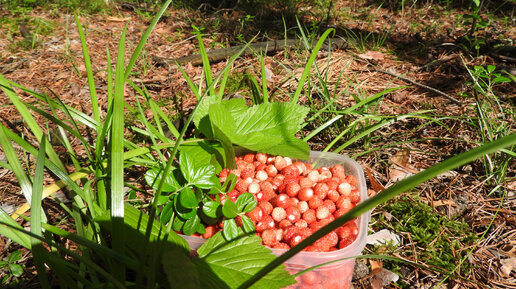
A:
(294, 201)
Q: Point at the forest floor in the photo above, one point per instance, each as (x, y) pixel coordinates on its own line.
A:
(420, 47)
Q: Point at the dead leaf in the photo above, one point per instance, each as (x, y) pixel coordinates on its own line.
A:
(376, 283)
(372, 55)
(117, 19)
(508, 265)
(401, 158)
(439, 203)
(396, 175)
(383, 237)
(376, 266)
(377, 187)
(388, 277)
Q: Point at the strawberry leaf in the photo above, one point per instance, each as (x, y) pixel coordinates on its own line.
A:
(247, 225)
(230, 230)
(236, 261)
(210, 209)
(153, 177)
(180, 269)
(191, 225)
(229, 209)
(203, 177)
(187, 198)
(243, 200)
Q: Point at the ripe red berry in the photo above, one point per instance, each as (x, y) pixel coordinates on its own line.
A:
(241, 186)
(210, 231)
(301, 224)
(269, 237)
(355, 196)
(309, 278)
(321, 190)
(344, 189)
(315, 203)
(312, 248)
(256, 215)
(293, 214)
(290, 170)
(328, 241)
(262, 196)
(302, 206)
(247, 173)
(266, 223)
(281, 245)
(324, 174)
(262, 158)
(279, 214)
(309, 216)
(281, 200)
(261, 175)
(300, 167)
(290, 232)
(280, 163)
(314, 176)
(330, 205)
(283, 224)
(333, 195)
(249, 158)
(337, 170)
(332, 183)
(271, 170)
(305, 194)
(253, 188)
(322, 212)
(224, 173)
(352, 180)
(305, 182)
(233, 195)
(266, 207)
(343, 243)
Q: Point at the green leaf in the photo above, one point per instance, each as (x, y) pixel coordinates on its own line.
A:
(230, 230)
(200, 119)
(16, 270)
(201, 229)
(177, 224)
(205, 152)
(230, 183)
(154, 175)
(247, 224)
(3, 264)
(229, 209)
(202, 177)
(210, 209)
(7, 229)
(245, 202)
(180, 270)
(190, 226)
(187, 198)
(236, 261)
(292, 147)
(166, 213)
(14, 256)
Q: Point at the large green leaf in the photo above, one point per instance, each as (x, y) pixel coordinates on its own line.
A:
(205, 152)
(200, 118)
(235, 262)
(202, 177)
(180, 270)
(276, 118)
(154, 175)
(292, 147)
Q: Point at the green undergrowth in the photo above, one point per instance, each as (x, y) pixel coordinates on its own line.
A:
(427, 236)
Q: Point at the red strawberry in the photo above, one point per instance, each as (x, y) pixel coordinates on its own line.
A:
(291, 170)
(328, 241)
(309, 278)
(355, 196)
(256, 215)
(309, 216)
(301, 224)
(306, 182)
(281, 200)
(332, 183)
(343, 243)
(280, 163)
(344, 189)
(337, 170)
(302, 206)
(315, 203)
(305, 194)
(292, 189)
(284, 224)
(333, 195)
(261, 157)
(266, 223)
(271, 170)
(300, 167)
(281, 245)
(261, 175)
(253, 188)
(247, 173)
(330, 205)
(249, 158)
(293, 214)
(266, 207)
(289, 232)
(278, 214)
(269, 237)
(321, 190)
(210, 231)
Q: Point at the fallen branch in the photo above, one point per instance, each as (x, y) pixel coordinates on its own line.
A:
(221, 54)
(454, 100)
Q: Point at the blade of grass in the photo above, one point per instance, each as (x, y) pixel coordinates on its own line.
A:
(265, 91)
(28, 118)
(205, 64)
(144, 38)
(385, 195)
(309, 64)
(117, 158)
(89, 71)
(12, 230)
(38, 252)
(14, 162)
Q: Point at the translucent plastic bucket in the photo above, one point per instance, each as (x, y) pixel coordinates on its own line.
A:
(334, 275)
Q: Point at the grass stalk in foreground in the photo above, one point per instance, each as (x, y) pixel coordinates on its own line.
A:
(387, 194)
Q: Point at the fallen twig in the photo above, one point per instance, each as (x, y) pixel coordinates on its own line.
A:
(454, 100)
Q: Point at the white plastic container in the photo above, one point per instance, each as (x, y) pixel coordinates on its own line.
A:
(335, 275)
